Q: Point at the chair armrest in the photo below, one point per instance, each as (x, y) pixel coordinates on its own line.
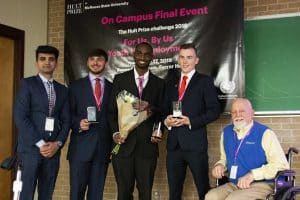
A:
(286, 173)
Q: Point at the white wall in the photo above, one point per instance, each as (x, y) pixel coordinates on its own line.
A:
(31, 17)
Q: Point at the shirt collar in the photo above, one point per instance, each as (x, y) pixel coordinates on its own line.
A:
(136, 75)
(92, 77)
(44, 79)
(189, 75)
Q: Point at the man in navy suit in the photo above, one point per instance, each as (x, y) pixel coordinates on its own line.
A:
(137, 157)
(187, 138)
(90, 143)
(42, 118)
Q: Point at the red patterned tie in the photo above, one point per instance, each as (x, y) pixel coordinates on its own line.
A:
(182, 87)
(98, 92)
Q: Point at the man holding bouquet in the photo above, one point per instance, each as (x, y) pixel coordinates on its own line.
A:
(136, 158)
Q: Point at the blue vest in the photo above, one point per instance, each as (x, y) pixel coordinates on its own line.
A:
(250, 155)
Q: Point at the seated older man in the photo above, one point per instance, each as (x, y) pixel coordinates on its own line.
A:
(251, 153)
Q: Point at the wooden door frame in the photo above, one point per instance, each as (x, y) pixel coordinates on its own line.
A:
(18, 37)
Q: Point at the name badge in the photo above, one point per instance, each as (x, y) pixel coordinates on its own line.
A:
(233, 171)
(49, 125)
(91, 114)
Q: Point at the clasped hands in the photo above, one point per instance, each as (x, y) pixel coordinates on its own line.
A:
(171, 121)
(244, 182)
(49, 149)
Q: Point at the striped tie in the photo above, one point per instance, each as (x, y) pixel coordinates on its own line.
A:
(51, 98)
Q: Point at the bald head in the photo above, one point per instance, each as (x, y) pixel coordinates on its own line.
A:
(244, 101)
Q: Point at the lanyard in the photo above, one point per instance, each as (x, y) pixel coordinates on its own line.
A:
(241, 142)
(181, 96)
(182, 87)
(98, 101)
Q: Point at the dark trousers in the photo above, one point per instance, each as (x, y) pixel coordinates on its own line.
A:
(40, 171)
(177, 162)
(127, 170)
(88, 176)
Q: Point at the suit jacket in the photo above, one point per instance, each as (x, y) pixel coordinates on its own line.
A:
(140, 138)
(200, 104)
(31, 110)
(97, 140)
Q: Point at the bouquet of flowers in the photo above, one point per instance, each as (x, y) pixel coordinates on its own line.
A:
(128, 116)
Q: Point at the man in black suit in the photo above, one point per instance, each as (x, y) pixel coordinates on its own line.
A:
(90, 143)
(42, 118)
(187, 138)
(137, 157)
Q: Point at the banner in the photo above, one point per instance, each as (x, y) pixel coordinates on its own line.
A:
(214, 26)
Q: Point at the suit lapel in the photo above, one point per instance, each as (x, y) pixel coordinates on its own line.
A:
(175, 88)
(57, 96)
(89, 92)
(188, 89)
(43, 93)
(105, 94)
(132, 87)
(148, 87)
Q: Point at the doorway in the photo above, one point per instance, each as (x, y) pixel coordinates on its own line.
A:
(12, 61)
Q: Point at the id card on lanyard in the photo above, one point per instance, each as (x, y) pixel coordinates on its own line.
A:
(234, 167)
(49, 125)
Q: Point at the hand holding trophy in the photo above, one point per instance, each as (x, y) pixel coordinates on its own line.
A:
(157, 133)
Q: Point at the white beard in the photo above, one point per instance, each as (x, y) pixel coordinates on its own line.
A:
(239, 124)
